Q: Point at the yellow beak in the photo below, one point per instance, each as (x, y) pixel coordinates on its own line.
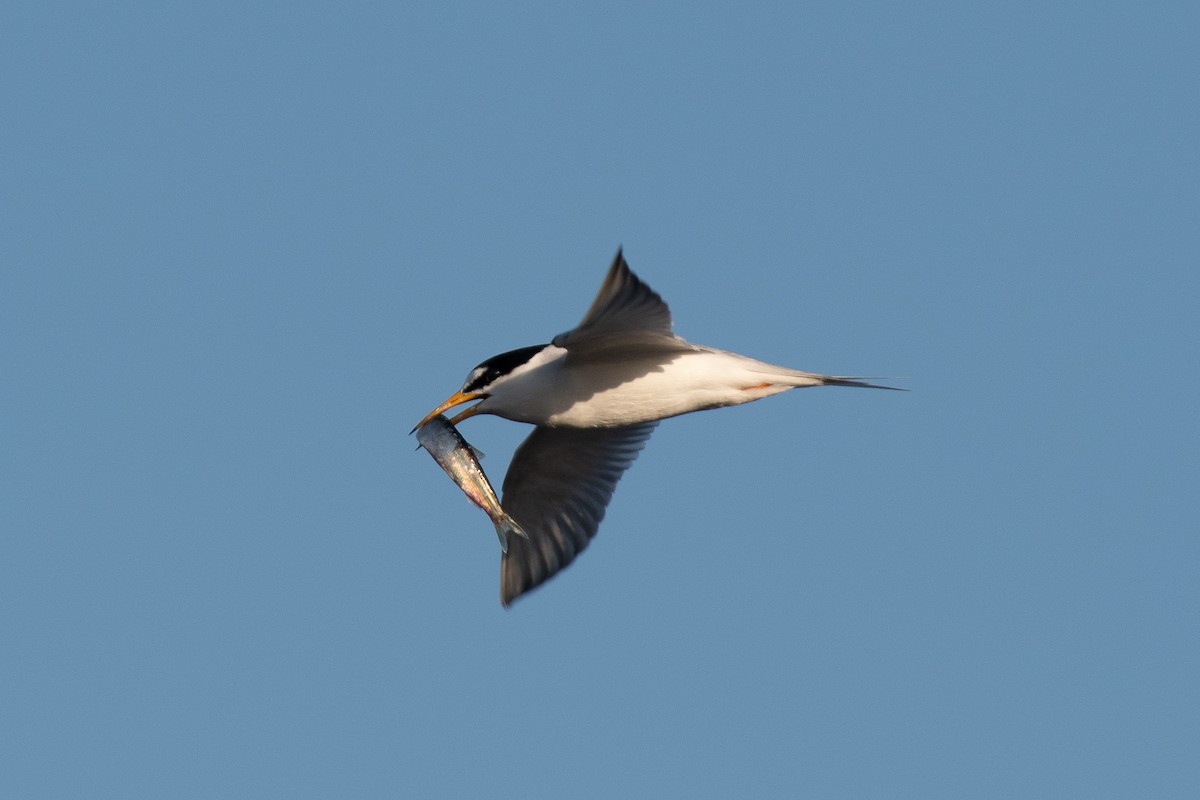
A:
(456, 399)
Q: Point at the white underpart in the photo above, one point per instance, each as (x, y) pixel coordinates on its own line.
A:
(624, 392)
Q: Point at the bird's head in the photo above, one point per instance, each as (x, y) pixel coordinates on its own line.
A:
(481, 381)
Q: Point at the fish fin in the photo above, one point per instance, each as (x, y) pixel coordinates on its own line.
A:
(479, 454)
(506, 525)
(517, 529)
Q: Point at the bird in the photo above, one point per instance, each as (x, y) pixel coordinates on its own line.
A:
(594, 394)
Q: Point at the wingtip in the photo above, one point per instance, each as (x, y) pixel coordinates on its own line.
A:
(619, 263)
(507, 595)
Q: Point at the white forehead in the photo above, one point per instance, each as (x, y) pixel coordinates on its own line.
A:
(475, 375)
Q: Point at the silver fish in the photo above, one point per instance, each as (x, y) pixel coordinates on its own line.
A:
(461, 462)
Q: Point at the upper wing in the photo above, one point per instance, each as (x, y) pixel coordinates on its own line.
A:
(557, 487)
(624, 303)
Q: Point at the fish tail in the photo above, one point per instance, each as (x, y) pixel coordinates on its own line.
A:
(505, 525)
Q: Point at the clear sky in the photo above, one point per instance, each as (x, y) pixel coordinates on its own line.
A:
(246, 246)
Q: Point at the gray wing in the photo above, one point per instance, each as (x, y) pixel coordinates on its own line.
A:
(557, 487)
(624, 304)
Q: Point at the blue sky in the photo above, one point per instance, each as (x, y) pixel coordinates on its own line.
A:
(246, 247)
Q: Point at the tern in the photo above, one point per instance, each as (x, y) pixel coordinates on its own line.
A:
(595, 394)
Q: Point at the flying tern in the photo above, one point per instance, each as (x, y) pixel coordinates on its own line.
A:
(595, 394)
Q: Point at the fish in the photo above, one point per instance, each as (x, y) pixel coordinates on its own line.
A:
(461, 462)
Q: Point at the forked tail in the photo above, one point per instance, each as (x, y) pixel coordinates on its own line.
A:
(861, 383)
(784, 377)
(795, 378)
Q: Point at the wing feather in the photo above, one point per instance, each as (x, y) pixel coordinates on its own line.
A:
(623, 304)
(558, 485)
